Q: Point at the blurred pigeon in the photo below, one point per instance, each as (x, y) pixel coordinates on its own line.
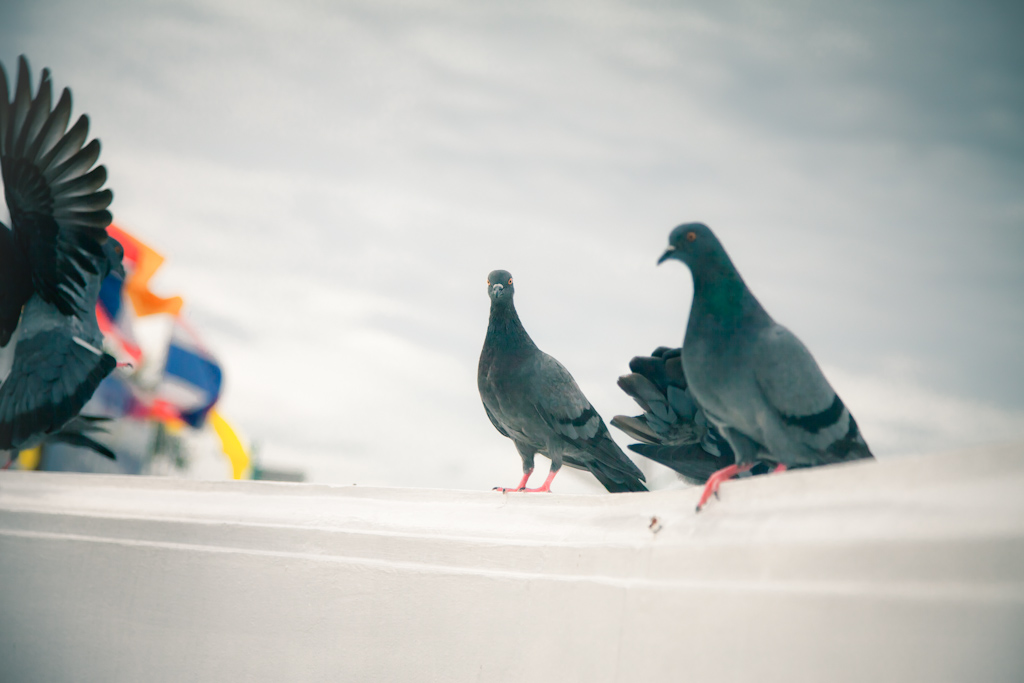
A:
(756, 382)
(53, 258)
(75, 432)
(673, 430)
(533, 400)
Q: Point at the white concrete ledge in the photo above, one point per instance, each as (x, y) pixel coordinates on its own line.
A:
(907, 570)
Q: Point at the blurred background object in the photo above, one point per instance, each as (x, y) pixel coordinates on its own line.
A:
(160, 408)
(332, 182)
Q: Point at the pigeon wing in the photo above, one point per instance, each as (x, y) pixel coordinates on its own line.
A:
(788, 375)
(811, 412)
(561, 405)
(497, 425)
(15, 285)
(55, 372)
(673, 429)
(58, 212)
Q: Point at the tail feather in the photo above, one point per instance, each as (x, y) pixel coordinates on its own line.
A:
(689, 460)
(609, 465)
(83, 441)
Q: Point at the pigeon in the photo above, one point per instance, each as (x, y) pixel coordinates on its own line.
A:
(53, 259)
(532, 399)
(755, 381)
(673, 430)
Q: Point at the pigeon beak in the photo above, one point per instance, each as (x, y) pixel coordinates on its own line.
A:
(669, 253)
(497, 288)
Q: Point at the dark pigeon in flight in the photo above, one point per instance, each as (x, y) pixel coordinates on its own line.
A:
(754, 380)
(672, 430)
(533, 400)
(53, 258)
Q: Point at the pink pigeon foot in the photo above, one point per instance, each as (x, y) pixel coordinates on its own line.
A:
(546, 486)
(717, 478)
(520, 487)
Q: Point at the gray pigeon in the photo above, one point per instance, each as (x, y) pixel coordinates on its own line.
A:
(673, 430)
(756, 382)
(53, 259)
(533, 400)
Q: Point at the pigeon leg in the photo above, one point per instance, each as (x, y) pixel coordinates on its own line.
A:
(779, 468)
(10, 462)
(717, 478)
(522, 483)
(546, 486)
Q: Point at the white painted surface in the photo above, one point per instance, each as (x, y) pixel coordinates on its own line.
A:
(907, 570)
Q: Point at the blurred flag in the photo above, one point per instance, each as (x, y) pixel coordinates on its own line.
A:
(232, 446)
(192, 376)
(116, 321)
(140, 263)
(190, 383)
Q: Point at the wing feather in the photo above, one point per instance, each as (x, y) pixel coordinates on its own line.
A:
(58, 212)
(789, 377)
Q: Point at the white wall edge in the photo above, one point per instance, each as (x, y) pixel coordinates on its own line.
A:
(900, 570)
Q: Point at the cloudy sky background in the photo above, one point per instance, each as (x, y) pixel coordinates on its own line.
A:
(332, 182)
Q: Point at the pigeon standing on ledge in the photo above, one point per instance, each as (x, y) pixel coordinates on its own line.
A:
(533, 400)
(756, 382)
(53, 258)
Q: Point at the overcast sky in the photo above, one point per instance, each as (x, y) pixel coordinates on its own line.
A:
(332, 182)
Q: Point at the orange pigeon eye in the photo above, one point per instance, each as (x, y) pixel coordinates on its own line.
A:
(488, 282)
(510, 280)
(691, 236)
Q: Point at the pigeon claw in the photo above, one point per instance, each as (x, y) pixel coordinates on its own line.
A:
(716, 479)
(521, 486)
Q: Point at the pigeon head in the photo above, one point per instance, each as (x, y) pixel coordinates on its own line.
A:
(718, 287)
(692, 243)
(114, 252)
(499, 286)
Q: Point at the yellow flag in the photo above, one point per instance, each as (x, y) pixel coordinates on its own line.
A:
(29, 458)
(231, 445)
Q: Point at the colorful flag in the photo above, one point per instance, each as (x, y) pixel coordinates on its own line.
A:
(140, 263)
(192, 376)
(189, 385)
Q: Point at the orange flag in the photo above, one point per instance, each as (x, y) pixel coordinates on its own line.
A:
(140, 263)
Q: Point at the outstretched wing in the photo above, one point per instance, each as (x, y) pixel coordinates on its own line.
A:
(58, 245)
(58, 212)
(15, 285)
